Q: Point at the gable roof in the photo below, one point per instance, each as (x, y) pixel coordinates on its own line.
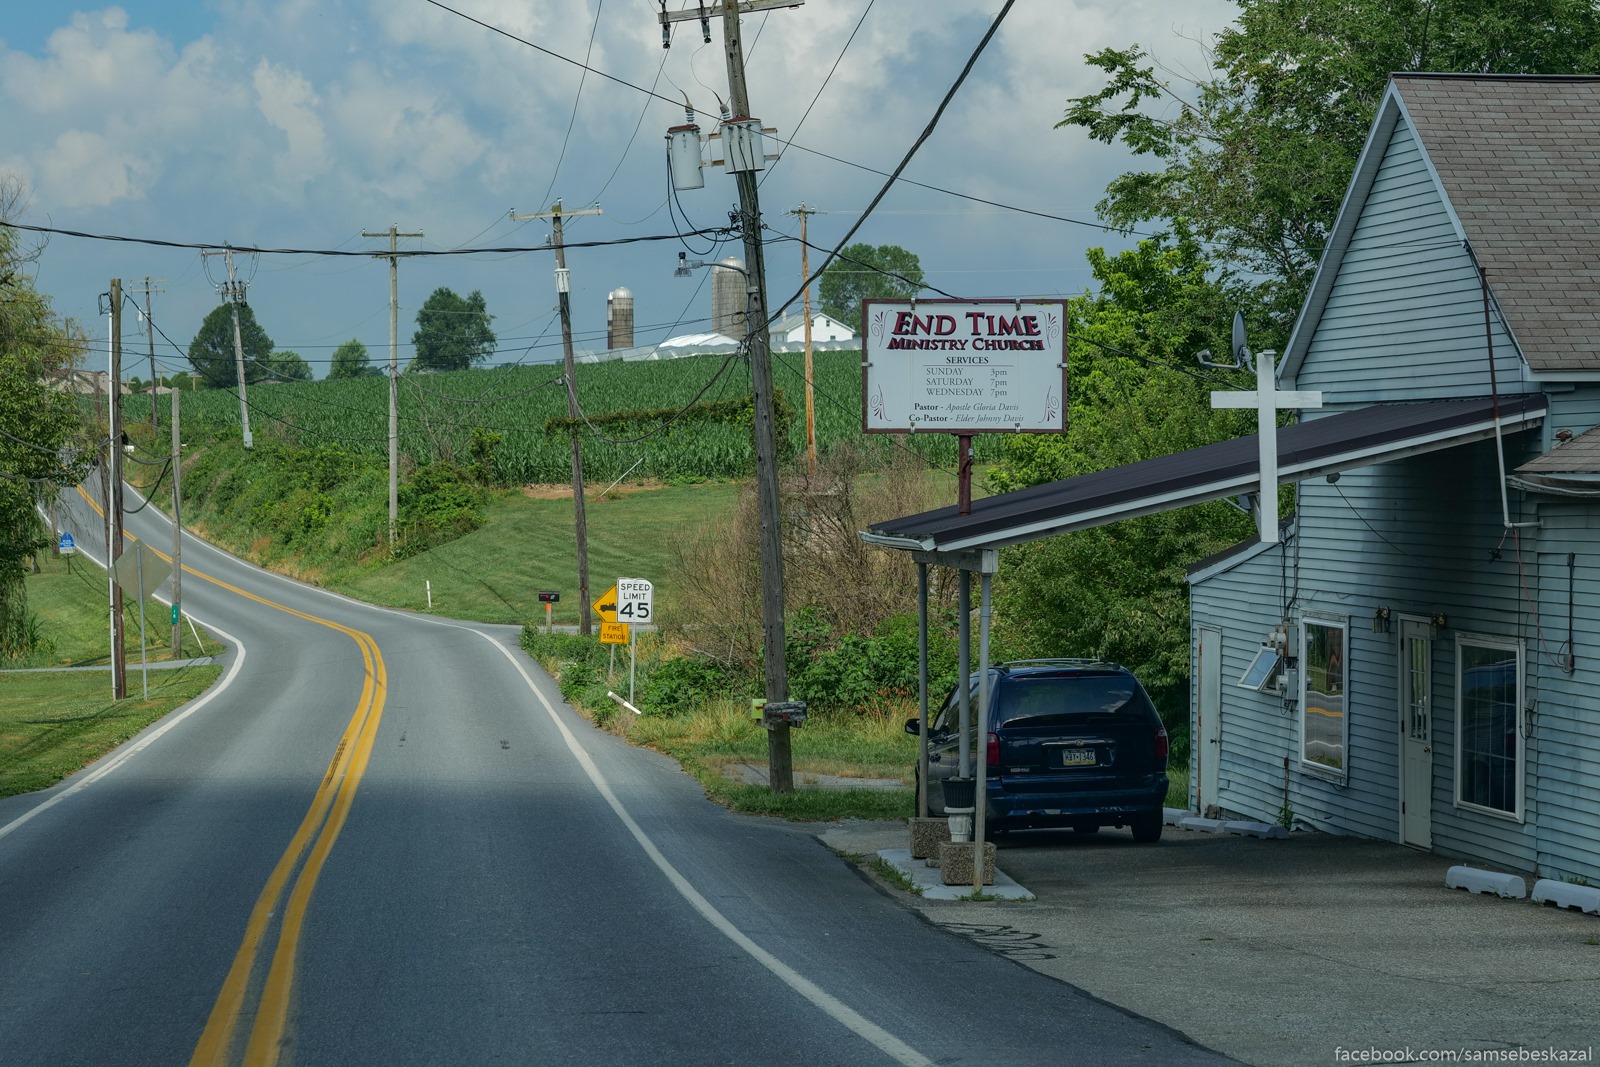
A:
(1349, 439)
(1516, 159)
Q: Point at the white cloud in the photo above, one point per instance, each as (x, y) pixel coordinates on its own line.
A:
(289, 103)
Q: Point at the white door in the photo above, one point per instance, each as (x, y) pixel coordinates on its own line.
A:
(1208, 717)
(1416, 733)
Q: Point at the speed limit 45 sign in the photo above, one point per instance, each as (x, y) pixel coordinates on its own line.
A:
(634, 600)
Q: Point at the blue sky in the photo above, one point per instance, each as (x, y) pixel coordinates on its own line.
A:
(302, 123)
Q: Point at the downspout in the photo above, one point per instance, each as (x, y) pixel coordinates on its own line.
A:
(1494, 399)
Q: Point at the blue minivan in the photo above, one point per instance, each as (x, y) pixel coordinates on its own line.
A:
(1070, 743)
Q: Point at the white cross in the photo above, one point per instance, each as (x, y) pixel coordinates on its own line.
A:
(1266, 399)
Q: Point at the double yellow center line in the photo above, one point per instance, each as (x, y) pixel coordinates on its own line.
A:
(302, 862)
(307, 853)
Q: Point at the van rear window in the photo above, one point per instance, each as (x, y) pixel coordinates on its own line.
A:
(1067, 699)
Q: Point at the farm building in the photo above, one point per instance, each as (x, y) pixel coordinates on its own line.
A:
(1415, 657)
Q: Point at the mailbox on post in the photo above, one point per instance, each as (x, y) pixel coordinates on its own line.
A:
(548, 597)
(783, 712)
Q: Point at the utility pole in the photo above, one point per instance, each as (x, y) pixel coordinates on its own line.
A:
(744, 155)
(119, 662)
(805, 274)
(177, 533)
(150, 336)
(234, 291)
(393, 256)
(563, 285)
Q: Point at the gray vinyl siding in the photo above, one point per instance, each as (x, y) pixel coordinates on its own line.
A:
(1243, 603)
(1400, 535)
(1564, 751)
(1404, 319)
(1575, 409)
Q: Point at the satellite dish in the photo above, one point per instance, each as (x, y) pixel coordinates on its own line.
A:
(1239, 350)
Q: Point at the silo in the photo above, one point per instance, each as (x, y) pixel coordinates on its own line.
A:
(728, 298)
(619, 319)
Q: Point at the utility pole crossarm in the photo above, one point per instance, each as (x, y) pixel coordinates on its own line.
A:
(746, 7)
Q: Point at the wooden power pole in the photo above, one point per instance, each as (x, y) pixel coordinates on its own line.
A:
(563, 285)
(234, 291)
(177, 532)
(148, 288)
(805, 274)
(113, 500)
(744, 155)
(393, 256)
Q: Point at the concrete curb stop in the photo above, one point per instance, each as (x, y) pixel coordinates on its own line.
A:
(1583, 898)
(1474, 880)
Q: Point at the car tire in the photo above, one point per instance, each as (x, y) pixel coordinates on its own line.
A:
(1146, 829)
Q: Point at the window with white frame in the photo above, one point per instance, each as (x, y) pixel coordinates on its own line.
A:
(1489, 765)
(1324, 718)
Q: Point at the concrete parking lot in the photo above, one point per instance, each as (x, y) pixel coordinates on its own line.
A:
(1310, 950)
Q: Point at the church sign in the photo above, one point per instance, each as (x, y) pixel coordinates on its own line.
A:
(964, 366)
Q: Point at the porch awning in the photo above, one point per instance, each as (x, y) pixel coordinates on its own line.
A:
(1324, 445)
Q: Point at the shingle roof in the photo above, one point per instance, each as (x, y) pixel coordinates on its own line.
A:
(1580, 455)
(1519, 158)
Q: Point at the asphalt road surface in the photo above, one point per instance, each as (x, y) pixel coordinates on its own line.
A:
(383, 839)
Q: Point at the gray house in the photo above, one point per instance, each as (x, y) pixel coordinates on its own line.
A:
(1414, 657)
(1418, 658)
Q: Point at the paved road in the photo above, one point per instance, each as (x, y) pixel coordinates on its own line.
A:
(383, 839)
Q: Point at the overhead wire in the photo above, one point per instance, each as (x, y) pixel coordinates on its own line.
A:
(577, 98)
(416, 254)
(911, 152)
(825, 80)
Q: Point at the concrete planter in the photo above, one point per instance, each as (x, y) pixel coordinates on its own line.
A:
(955, 862)
(927, 835)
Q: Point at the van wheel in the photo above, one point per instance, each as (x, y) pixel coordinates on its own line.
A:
(1146, 829)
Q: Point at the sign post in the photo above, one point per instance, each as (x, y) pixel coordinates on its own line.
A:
(635, 601)
(68, 548)
(135, 572)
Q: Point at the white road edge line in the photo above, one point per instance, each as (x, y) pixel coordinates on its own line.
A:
(830, 1005)
(126, 752)
(840, 1012)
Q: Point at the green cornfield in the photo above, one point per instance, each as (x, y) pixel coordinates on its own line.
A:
(439, 412)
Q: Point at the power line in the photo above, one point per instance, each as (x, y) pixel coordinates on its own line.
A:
(417, 254)
(905, 161)
(554, 55)
(573, 119)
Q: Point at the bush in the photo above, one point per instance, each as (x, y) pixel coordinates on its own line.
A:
(680, 685)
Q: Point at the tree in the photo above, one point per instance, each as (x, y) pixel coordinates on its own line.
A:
(1257, 157)
(867, 272)
(1119, 591)
(211, 352)
(41, 423)
(452, 333)
(288, 366)
(350, 360)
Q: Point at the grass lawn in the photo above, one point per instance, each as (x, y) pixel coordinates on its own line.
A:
(57, 722)
(527, 543)
(851, 745)
(70, 600)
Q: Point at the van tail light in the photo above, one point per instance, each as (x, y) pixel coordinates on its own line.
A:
(992, 757)
(1161, 744)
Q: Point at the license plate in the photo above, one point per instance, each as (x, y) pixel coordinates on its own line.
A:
(1078, 757)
